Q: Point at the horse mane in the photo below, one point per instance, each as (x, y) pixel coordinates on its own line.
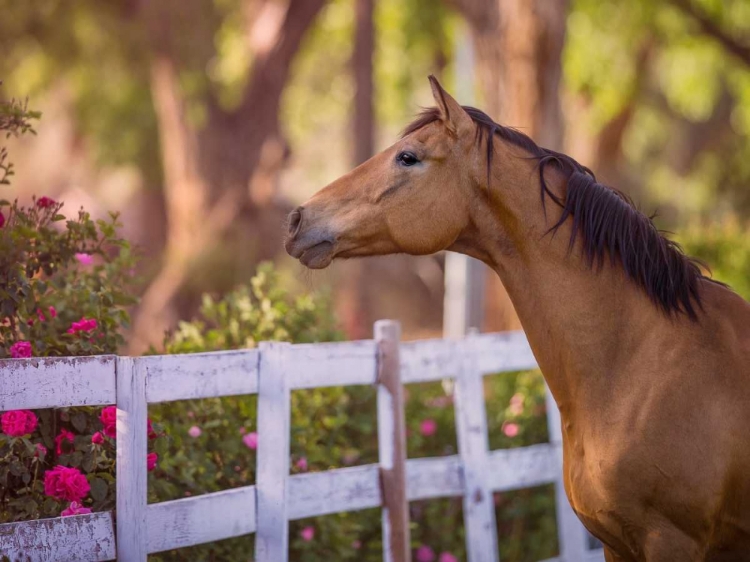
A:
(606, 220)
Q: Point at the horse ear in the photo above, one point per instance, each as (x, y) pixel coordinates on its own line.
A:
(452, 114)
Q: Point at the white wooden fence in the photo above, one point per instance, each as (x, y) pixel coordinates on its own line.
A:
(272, 371)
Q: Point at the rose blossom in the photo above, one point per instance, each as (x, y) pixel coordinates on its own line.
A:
(428, 427)
(52, 312)
(65, 435)
(18, 422)
(108, 417)
(65, 483)
(510, 429)
(84, 259)
(425, 554)
(251, 440)
(74, 509)
(97, 438)
(307, 534)
(83, 325)
(151, 459)
(447, 557)
(195, 431)
(45, 202)
(516, 404)
(302, 463)
(40, 450)
(20, 349)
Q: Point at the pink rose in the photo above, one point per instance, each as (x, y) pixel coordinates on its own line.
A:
(428, 427)
(195, 431)
(108, 417)
(151, 459)
(20, 349)
(425, 554)
(302, 464)
(74, 509)
(251, 440)
(510, 429)
(97, 438)
(40, 450)
(516, 404)
(307, 534)
(84, 259)
(18, 422)
(65, 483)
(447, 557)
(83, 325)
(45, 202)
(52, 312)
(65, 435)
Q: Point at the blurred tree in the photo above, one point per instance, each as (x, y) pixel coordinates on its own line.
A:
(227, 162)
(213, 73)
(354, 302)
(362, 68)
(661, 98)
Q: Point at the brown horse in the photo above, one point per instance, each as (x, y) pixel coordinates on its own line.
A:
(648, 360)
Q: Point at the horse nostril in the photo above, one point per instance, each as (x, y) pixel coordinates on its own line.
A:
(295, 220)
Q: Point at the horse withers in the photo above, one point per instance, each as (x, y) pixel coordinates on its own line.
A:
(647, 358)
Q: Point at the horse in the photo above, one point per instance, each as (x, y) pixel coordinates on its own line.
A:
(648, 359)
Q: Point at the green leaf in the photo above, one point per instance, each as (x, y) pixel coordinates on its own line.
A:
(98, 489)
(88, 462)
(79, 421)
(161, 446)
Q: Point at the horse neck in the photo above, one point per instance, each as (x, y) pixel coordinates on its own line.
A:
(581, 323)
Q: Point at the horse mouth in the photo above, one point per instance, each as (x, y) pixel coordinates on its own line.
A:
(318, 256)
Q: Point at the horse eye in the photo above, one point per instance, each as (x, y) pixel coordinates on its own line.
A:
(407, 159)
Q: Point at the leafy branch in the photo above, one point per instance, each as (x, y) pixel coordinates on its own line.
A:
(15, 120)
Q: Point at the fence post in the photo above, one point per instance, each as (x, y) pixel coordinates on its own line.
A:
(571, 533)
(471, 423)
(272, 534)
(392, 444)
(131, 443)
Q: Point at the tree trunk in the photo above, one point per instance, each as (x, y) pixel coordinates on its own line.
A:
(354, 302)
(227, 167)
(362, 68)
(518, 47)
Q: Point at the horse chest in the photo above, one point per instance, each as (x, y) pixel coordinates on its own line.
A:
(605, 496)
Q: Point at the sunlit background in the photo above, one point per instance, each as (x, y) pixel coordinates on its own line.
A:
(204, 122)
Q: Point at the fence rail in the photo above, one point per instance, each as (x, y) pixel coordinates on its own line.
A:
(265, 509)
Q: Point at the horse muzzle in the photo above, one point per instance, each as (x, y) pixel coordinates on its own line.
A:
(313, 246)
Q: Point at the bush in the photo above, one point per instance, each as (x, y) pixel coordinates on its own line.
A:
(211, 443)
(64, 286)
(63, 292)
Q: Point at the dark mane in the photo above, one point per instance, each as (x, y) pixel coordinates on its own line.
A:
(606, 220)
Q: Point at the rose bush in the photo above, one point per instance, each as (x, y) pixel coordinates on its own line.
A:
(65, 285)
